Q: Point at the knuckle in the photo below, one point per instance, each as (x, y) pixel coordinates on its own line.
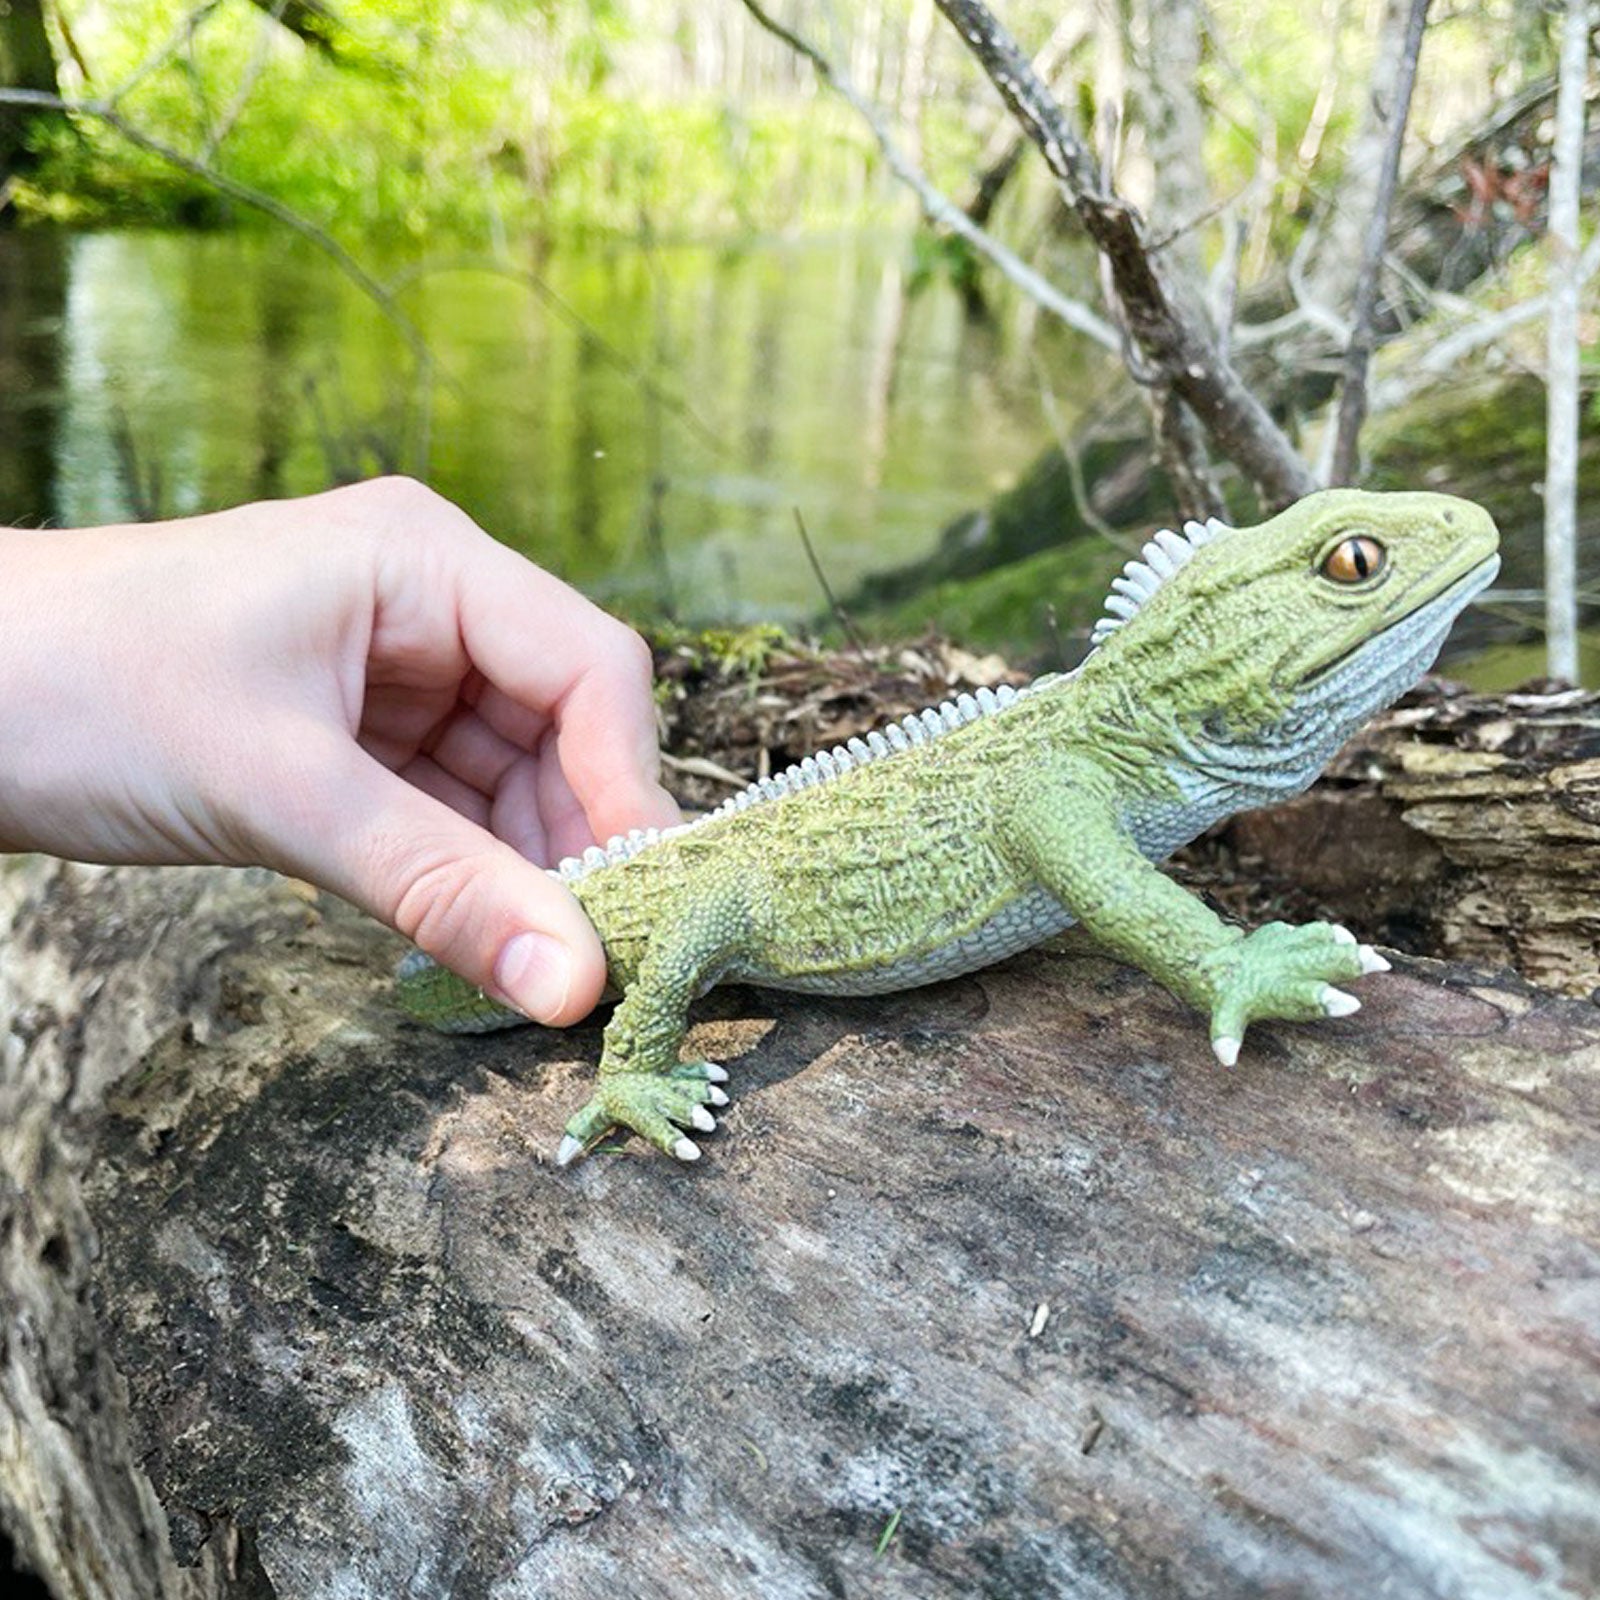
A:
(435, 907)
(403, 491)
(410, 505)
(629, 655)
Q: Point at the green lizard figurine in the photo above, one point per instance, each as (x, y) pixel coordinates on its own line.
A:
(1231, 665)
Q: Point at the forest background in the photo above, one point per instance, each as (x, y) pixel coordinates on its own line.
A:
(689, 300)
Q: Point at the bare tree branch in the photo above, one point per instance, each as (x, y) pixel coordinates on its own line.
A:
(1171, 334)
(1478, 328)
(1181, 447)
(1003, 152)
(1363, 316)
(1073, 457)
(218, 133)
(939, 208)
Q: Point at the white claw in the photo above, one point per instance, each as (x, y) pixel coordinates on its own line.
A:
(1226, 1049)
(1371, 961)
(716, 1096)
(1336, 1003)
(568, 1151)
(703, 1120)
(1342, 935)
(686, 1150)
(715, 1074)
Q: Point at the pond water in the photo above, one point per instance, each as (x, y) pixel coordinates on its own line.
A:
(644, 421)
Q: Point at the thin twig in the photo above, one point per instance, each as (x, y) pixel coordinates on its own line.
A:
(840, 615)
(1005, 148)
(257, 64)
(179, 39)
(104, 111)
(700, 767)
(936, 206)
(1363, 317)
(1068, 446)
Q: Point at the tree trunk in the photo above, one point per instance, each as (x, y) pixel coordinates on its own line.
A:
(26, 62)
(997, 1288)
(1561, 345)
(1337, 261)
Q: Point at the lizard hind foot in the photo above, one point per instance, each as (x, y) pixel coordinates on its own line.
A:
(656, 1105)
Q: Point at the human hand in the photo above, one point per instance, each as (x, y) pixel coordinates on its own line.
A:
(359, 688)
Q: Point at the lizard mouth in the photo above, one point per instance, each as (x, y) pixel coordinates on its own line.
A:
(1419, 631)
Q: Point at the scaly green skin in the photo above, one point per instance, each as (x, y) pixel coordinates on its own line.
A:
(1231, 685)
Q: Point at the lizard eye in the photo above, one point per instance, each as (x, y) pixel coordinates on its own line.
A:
(1353, 560)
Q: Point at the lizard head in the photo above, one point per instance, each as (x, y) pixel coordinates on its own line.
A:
(1298, 629)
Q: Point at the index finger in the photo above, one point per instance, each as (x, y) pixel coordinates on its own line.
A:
(560, 659)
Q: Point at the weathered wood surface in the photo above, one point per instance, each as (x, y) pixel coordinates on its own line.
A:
(1326, 1325)
(1463, 825)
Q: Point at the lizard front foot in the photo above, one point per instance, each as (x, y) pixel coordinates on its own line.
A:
(654, 1104)
(1285, 971)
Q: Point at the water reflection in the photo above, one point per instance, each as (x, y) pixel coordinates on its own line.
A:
(32, 283)
(151, 374)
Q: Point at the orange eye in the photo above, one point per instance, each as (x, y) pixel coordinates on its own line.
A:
(1353, 560)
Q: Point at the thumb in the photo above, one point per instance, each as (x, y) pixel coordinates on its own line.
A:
(463, 896)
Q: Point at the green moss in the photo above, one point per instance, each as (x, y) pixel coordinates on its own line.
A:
(1040, 607)
(727, 652)
(1485, 441)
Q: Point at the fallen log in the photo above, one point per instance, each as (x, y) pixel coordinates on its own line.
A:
(1457, 824)
(997, 1288)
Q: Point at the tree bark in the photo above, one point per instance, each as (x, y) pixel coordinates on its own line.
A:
(997, 1288)
(1466, 825)
(1335, 267)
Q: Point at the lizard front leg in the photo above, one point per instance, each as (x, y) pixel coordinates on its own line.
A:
(642, 1083)
(1066, 832)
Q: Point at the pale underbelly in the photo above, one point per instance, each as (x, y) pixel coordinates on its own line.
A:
(1025, 922)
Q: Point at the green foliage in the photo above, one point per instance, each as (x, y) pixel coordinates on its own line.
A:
(459, 118)
(936, 256)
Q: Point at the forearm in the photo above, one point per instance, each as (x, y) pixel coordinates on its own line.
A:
(52, 635)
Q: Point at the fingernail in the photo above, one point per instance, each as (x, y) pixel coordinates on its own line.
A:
(534, 973)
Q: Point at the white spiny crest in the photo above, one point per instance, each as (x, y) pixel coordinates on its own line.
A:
(1161, 557)
(820, 768)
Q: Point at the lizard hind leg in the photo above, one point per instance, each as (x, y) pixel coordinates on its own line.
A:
(643, 1086)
